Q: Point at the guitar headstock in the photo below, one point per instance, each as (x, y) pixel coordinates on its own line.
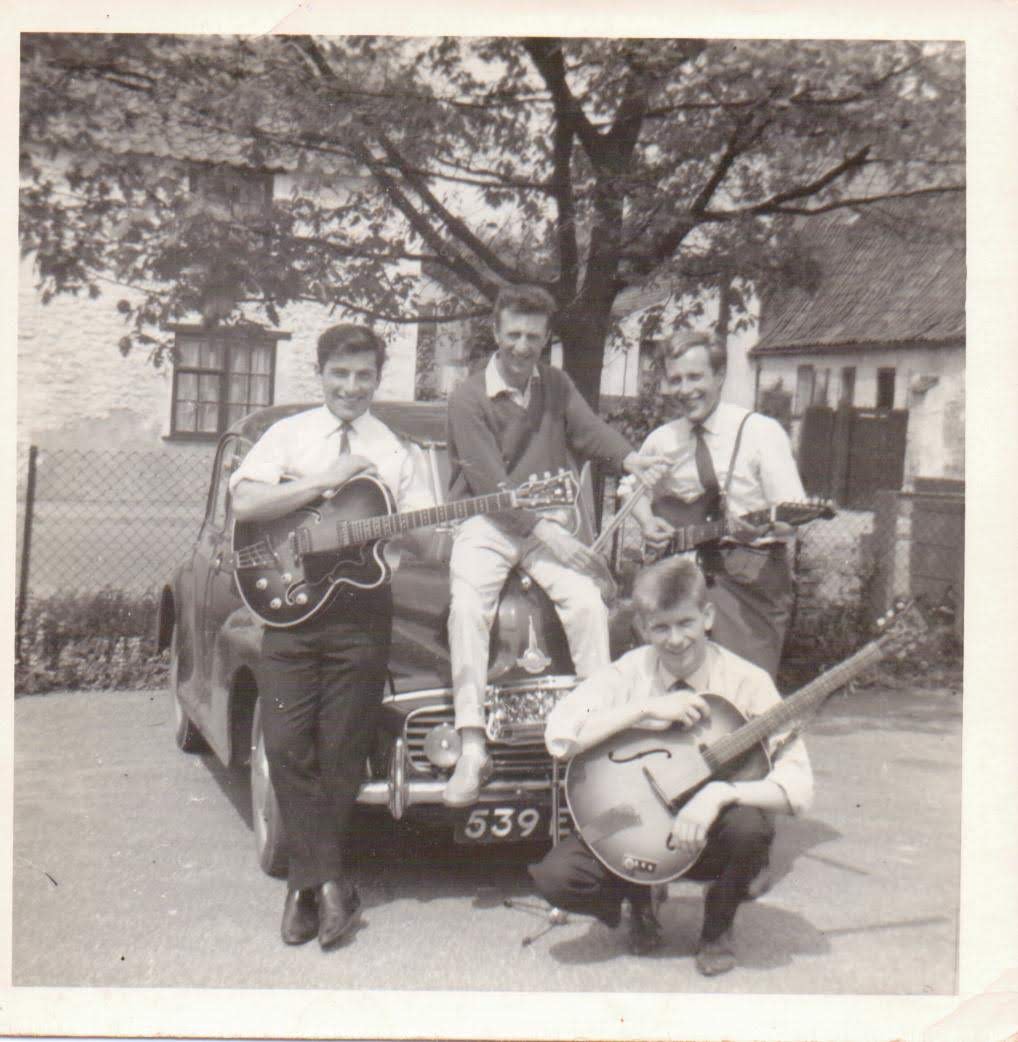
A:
(901, 630)
(551, 490)
(804, 511)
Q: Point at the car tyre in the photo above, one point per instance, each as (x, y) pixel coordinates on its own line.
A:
(270, 839)
(186, 735)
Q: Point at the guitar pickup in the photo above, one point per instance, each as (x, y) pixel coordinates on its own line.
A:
(300, 542)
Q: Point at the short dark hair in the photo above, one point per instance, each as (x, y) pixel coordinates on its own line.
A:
(526, 299)
(348, 338)
(683, 340)
(665, 584)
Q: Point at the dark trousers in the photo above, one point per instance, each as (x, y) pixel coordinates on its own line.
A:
(319, 714)
(738, 846)
(752, 591)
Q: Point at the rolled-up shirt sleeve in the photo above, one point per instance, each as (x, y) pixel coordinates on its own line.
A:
(779, 475)
(790, 766)
(792, 771)
(590, 697)
(414, 492)
(266, 461)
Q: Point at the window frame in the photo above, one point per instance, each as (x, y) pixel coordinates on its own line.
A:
(231, 338)
(804, 389)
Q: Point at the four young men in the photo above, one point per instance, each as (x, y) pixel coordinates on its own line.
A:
(515, 418)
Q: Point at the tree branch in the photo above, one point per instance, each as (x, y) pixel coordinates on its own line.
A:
(842, 204)
(546, 54)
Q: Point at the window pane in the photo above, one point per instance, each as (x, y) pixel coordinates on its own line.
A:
(259, 391)
(261, 359)
(185, 416)
(212, 355)
(208, 418)
(235, 413)
(187, 386)
(237, 389)
(240, 358)
(208, 388)
(188, 351)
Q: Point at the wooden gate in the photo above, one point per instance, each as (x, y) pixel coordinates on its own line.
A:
(851, 454)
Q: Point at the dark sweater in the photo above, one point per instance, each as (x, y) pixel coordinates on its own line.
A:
(494, 442)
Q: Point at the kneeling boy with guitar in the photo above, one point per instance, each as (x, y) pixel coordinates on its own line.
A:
(638, 734)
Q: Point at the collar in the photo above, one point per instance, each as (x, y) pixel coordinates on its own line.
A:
(494, 385)
(697, 680)
(330, 425)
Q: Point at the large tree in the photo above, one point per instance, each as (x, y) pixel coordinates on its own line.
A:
(582, 164)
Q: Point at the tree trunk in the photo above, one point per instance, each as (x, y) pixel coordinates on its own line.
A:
(583, 329)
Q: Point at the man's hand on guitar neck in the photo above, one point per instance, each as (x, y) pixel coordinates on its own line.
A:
(742, 532)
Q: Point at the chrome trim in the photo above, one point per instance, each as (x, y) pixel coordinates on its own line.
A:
(396, 786)
(524, 684)
(429, 791)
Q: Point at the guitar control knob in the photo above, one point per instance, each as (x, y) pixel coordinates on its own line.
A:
(262, 584)
(628, 863)
(275, 603)
(301, 598)
(286, 577)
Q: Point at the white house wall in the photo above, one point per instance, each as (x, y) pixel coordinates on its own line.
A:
(929, 383)
(75, 389)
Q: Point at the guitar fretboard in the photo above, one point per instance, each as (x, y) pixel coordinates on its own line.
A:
(382, 527)
(728, 749)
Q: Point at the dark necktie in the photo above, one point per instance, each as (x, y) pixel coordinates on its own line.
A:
(706, 473)
(344, 439)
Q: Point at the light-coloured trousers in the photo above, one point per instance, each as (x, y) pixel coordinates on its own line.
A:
(482, 557)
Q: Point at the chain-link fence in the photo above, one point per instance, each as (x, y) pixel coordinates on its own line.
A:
(99, 533)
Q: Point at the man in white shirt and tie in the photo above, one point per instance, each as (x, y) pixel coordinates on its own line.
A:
(328, 672)
(727, 826)
(734, 462)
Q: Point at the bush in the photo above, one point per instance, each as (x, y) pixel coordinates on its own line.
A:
(87, 641)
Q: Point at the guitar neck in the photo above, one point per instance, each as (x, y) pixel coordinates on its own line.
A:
(730, 748)
(688, 537)
(367, 529)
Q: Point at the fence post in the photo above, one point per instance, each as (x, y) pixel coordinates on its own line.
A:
(26, 547)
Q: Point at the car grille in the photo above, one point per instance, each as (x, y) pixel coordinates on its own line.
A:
(528, 760)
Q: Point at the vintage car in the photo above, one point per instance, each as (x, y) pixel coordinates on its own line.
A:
(216, 678)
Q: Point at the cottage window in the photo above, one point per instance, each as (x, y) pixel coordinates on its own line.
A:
(885, 388)
(805, 380)
(218, 378)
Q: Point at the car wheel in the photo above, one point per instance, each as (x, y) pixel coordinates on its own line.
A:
(270, 839)
(186, 735)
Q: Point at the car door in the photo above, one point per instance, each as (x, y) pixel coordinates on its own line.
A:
(216, 596)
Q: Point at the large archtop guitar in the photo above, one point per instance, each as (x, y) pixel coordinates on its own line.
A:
(625, 792)
(287, 569)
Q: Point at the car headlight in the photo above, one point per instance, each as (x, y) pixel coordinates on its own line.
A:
(442, 745)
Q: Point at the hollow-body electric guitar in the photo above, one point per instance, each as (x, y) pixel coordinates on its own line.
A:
(287, 569)
(625, 792)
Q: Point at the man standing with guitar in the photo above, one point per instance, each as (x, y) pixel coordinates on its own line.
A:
(724, 830)
(513, 419)
(727, 462)
(328, 671)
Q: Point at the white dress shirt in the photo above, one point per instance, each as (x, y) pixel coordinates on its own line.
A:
(765, 472)
(640, 675)
(307, 443)
(494, 385)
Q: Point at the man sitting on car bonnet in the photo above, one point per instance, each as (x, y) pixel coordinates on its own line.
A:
(327, 674)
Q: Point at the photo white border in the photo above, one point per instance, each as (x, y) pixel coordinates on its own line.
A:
(989, 922)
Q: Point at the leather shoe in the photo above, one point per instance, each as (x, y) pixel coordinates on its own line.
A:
(338, 904)
(464, 787)
(300, 917)
(717, 956)
(644, 929)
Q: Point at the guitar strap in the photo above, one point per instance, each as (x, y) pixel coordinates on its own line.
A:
(709, 554)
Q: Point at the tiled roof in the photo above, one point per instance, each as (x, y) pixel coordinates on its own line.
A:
(896, 276)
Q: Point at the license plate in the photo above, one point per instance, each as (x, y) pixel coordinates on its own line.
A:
(494, 824)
